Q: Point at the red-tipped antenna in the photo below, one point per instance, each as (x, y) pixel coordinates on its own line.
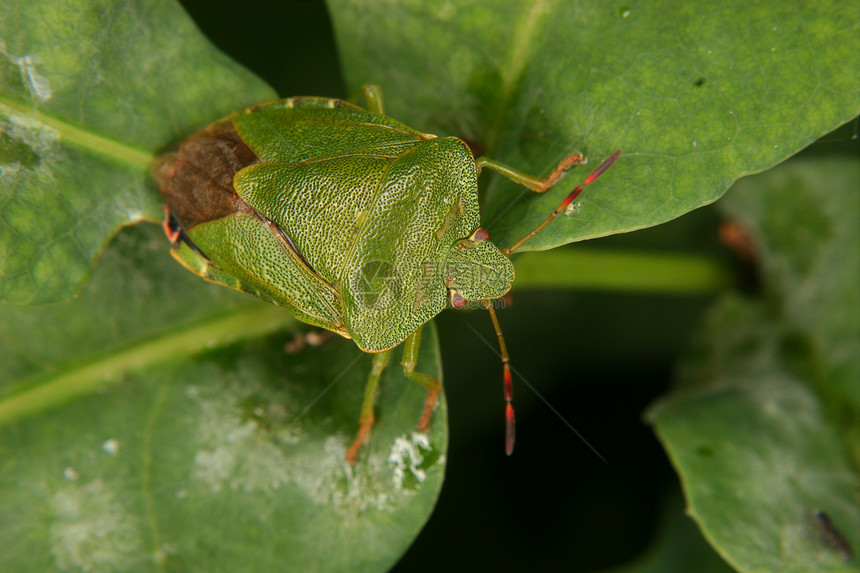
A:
(567, 200)
(510, 420)
(538, 185)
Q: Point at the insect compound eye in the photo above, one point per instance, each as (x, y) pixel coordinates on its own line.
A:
(479, 236)
(457, 300)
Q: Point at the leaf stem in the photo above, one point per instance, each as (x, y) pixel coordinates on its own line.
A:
(619, 270)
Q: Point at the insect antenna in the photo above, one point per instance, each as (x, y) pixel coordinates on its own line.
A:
(563, 205)
(510, 420)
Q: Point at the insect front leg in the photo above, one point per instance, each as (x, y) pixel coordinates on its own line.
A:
(540, 185)
(366, 419)
(410, 359)
(537, 184)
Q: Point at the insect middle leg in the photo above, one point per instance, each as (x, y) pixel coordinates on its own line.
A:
(380, 360)
(366, 418)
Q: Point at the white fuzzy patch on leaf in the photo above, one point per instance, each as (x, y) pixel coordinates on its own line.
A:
(92, 531)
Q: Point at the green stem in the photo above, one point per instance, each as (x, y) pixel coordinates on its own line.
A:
(615, 270)
(42, 393)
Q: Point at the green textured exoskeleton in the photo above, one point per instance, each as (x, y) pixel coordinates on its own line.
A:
(351, 220)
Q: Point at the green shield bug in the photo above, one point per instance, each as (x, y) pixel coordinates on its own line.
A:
(351, 220)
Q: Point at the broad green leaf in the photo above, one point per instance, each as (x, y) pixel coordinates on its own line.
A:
(696, 95)
(90, 92)
(757, 453)
(118, 452)
(765, 419)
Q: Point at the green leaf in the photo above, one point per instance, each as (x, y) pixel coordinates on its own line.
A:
(696, 95)
(155, 422)
(756, 452)
(117, 452)
(90, 91)
(764, 421)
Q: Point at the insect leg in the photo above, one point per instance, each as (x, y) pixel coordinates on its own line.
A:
(536, 184)
(541, 185)
(372, 96)
(366, 419)
(409, 361)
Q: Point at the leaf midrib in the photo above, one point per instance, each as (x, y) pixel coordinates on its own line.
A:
(111, 149)
(43, 392)
(516, 62)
